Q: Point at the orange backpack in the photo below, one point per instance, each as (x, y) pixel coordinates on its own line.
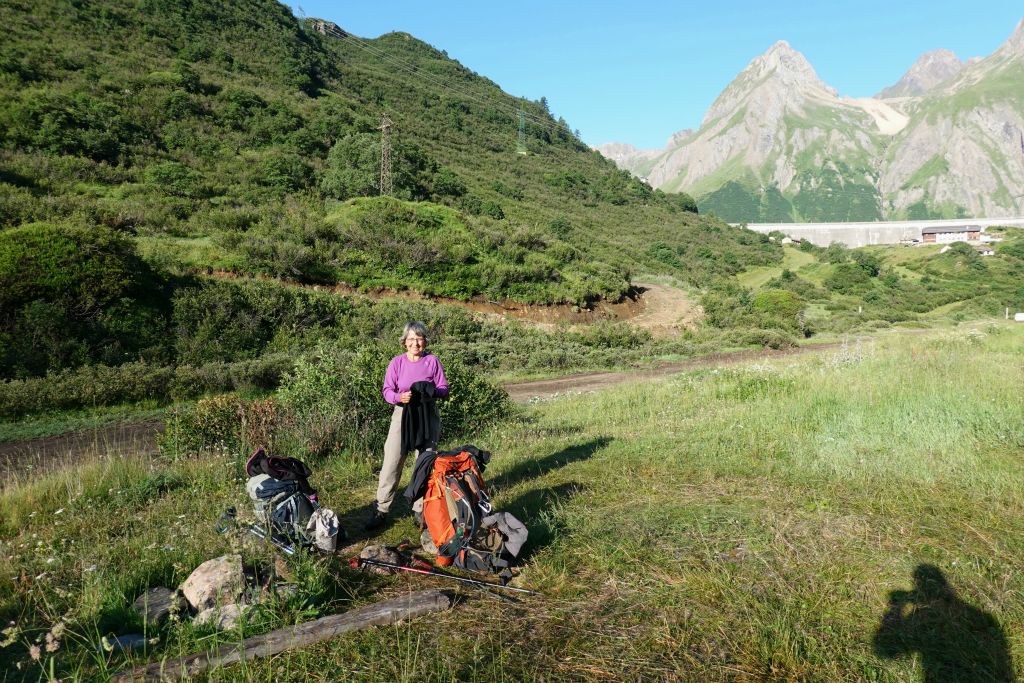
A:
(454, 503)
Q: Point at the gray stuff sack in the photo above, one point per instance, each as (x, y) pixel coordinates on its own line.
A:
(322, 528)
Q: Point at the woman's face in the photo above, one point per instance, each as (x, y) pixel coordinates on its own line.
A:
(415, 344)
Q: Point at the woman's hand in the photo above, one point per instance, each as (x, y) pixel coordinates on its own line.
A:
(405, 397)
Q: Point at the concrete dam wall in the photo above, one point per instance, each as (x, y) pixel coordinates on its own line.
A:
(877, 232)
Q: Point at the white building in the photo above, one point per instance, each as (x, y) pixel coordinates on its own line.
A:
(952, 233)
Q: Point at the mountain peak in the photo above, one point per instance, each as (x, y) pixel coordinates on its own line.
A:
(780, 46)
(779, 77)
(790, 64)
(929, 70)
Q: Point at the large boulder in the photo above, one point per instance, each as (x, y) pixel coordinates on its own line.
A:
(215, 582)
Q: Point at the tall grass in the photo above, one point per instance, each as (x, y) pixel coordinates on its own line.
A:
(754, 523)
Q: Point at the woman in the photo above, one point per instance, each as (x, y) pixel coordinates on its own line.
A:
(412, 382)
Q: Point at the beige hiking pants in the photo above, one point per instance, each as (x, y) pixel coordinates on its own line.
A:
(391, 470)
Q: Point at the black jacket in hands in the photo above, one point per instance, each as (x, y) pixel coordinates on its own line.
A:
(421, 424)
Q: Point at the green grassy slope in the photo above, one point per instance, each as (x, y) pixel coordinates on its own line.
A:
(747, 524)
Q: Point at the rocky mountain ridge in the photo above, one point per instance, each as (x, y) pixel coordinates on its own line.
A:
(779, 144)
(928, 71)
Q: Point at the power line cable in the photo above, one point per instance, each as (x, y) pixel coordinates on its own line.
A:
(417, 71)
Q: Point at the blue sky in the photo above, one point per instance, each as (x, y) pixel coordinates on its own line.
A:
(638, 71)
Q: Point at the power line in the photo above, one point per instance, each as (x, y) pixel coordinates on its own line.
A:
(521, 145)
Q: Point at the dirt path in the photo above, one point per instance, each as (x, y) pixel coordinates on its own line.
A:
(522, 392)
(33, 455)
(48, 452)
(662, 309)
(666, 311)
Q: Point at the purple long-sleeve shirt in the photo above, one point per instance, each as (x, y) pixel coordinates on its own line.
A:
(402, 373)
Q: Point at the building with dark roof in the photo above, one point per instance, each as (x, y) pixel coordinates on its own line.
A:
(946, 234)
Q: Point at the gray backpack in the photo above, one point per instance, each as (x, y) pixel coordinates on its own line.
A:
(281, 507)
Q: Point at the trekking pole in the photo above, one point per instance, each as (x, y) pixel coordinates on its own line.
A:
(487, 588)
(355, 562)
(278, 542)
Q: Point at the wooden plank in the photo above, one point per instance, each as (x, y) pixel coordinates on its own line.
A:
(378, 614)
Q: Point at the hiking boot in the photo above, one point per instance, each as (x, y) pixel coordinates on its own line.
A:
(376, 521)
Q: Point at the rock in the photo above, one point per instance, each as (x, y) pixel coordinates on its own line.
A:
(157, 604)
(427, 542)
(381, 553)
(936, 146)
(223, 618)
(277, 591)
(126, 643)
(215, 582)
(285, 591)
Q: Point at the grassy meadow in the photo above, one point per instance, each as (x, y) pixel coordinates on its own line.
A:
(764, 522)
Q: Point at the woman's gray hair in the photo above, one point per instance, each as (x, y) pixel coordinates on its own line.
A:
(417, 328)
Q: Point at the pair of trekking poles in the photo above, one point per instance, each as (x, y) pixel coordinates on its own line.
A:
(415, 565)
(418, 566)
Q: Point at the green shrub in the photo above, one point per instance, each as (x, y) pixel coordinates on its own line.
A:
(78, 268)
(174, 178)
(448, 184)
(212, 423)
(847, 278)
(74, 124)
(492, 209)
(1014, 248)
(777, 303)
(71, 295)
(88, 386)
(837, 252)
(610, 335)
(101, 385)
(769, 338)
(334, 396)
(283, 172)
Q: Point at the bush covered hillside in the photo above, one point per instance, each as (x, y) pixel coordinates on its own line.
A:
(835, 289)
(230, 131)
(146, 145)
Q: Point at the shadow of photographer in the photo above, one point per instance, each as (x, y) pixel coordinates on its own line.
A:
(955, 641)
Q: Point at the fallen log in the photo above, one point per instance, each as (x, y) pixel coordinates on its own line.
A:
(378, 614)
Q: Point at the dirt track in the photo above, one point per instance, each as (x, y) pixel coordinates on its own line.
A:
(522, 392)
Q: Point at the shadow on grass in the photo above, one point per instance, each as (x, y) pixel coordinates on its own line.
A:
(956, 641)
(537, 509)
(353, 519)
(531, 469)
